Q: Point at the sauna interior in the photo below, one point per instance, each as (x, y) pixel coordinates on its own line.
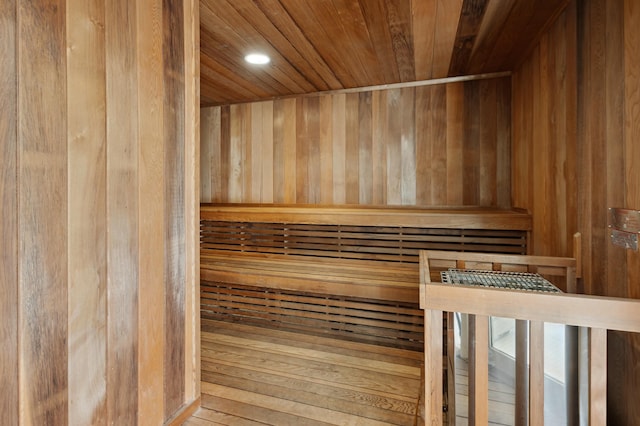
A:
(169, 211)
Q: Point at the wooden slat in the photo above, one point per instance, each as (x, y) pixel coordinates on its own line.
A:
(597, 376)
(433, 367)
(87, 199)
(151, 263)
(468, 218)
(9, 301)
(43, 204)
(478, 369)
(174, 191)
(122, 202)
(536, 373)
(192, 200)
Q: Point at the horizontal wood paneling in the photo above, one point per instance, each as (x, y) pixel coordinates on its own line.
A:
(83, 202)
(428, 146)
(575, 107)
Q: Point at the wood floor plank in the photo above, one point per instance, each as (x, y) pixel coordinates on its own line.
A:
(213, 417)
(306, 414)
(255, 375)
(361, 404)
(313, 370)
(311, 354)
(400, 356)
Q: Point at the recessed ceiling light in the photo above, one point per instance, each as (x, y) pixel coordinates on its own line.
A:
(257, 58)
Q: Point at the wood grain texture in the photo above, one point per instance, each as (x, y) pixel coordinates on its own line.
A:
(86, 129)
(123, 247)
(425, 146)
(42, 210)
(192, 203)
(9, 302)
(151, 214)
(585, 116)
(174, 226)
(631, 13)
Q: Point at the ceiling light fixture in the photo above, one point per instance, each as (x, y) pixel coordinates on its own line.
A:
(257, 58)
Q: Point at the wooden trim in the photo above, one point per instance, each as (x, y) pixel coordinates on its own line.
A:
(468, 218)
(184, 413)
(579, 310)
(192, 198)
(419, 83)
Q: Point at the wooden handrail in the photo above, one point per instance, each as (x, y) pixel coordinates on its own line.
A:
(599, 314)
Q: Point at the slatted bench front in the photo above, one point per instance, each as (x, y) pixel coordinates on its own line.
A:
(348, 272)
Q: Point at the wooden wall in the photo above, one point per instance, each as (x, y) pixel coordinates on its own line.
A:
(432, 145)
(576, 151)
(97, 291)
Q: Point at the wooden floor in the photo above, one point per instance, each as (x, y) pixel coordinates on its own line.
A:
(260, 376)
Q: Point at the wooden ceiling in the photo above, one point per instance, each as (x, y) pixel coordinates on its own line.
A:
(324, 45)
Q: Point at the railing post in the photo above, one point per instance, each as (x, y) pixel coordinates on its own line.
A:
(597, 376)
(433, 367)
(536, 373)
(478, 370)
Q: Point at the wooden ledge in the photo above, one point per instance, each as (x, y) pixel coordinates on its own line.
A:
(356, 215)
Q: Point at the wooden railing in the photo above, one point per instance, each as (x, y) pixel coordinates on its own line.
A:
(597, 314)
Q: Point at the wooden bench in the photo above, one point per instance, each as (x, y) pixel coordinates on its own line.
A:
(348, 272)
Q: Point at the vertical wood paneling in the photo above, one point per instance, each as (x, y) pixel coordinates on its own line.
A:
(42, 135)
(256, 151)
(87, 199)
(632, 182)
(339, 135)
(429, 146)
(210, 186)
(352, 149)
(575, 107)
(151, 227)
(83, 200)
(394, 147)
(174, 225)
(454, 137)
(365, 149)
(122, 206)
(408, 147)
(326, 150)
(289, 148)
(9, 300)
(378, 150)
(192, 197)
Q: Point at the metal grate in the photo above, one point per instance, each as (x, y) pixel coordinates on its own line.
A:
(499, 279)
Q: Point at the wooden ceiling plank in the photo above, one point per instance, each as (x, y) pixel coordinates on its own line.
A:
(210, 53)
(447, 17)
(400, 24)
(356, 38)
(319, 24)
(243, 38)
(495, 17)
(256, 16)
(468, 29)
(521, 32)
(424, 23)
(374, 12)
(285, 24)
